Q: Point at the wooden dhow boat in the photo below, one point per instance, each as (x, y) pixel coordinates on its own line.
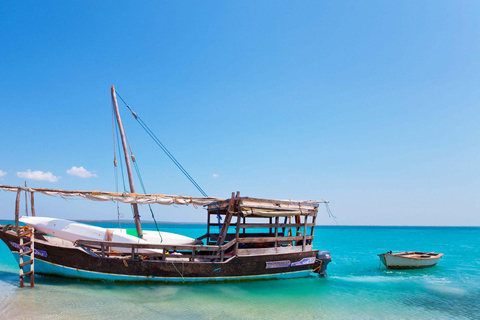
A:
(252, 239)
(409, 260)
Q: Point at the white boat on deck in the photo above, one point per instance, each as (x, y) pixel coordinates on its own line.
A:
(73, 231)
(409, 260)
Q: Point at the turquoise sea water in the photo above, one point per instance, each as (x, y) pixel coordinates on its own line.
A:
(356, 288)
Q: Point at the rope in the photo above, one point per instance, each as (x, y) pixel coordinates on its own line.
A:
(145, 192)
(169, 155)
(115, 164)
(330, 214)
(164, 149)
(183, 267)
(121, 161)
(139, 178)
(219, 217)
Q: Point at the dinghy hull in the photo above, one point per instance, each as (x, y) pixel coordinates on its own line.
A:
(409, 260)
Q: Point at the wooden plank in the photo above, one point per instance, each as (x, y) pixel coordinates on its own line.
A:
(271, 239)
(231, 236)
(27, 244)
(276, 229)
(25, 263)
(273, 225)
(208, 227)
(156, 246)
(273, 250)
(24, 253)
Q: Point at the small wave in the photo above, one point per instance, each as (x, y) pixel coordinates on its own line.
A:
(448, 290)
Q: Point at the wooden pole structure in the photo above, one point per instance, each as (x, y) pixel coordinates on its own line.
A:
(136, 215)
(32, 203)
(17, 208)
(26, 199)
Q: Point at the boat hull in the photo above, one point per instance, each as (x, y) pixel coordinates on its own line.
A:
(75, 262)
(397, 262)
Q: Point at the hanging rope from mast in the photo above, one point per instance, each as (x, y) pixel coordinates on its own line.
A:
(115, 164)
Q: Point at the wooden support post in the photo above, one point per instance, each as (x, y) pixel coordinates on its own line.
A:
(208, 227)
(17, 209)
(284, 228)
(270, 221)
(26, 199)
(244, 230)
(297, 221)
(32, 203)
(237, 233)
(304, 234)
(276, 231)
(313, 227)
(226, 223)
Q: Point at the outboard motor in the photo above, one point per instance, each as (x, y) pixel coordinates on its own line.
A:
(322, 260)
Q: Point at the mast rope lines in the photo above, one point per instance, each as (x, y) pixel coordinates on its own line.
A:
(167, 152)
(137, 170)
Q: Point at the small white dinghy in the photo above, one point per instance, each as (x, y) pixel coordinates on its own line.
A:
(73, 231)
(409, 260)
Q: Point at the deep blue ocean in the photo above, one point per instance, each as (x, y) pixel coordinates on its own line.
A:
(357, 287)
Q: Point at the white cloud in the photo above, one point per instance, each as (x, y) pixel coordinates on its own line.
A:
(2, 174)
(215, 175)
(80, 172)
(38, 175)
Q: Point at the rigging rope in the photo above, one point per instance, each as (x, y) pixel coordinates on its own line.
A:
(145, 192)
(123, 177)
(169, 155)
(164, 149)
(115, 164)
(330, 214)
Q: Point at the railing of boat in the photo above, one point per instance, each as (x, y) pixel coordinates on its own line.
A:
(204, 252)
(214, 253)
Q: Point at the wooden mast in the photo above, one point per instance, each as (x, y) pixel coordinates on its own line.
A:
(136, 215)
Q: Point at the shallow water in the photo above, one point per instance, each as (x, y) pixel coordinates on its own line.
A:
(356, 287)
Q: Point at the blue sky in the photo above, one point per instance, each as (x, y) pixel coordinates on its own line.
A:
(372, 105)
